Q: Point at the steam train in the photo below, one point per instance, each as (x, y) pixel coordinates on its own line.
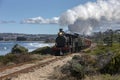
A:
(71, 43)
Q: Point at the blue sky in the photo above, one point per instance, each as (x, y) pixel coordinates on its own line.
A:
(12, 12)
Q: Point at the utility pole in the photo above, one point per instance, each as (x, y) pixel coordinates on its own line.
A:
(118, 36)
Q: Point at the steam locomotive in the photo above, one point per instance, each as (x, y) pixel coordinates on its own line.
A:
(71, 43)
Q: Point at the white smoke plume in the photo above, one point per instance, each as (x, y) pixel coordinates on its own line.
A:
(86, 18)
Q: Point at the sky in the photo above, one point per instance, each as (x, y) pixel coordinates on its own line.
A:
(16, 16)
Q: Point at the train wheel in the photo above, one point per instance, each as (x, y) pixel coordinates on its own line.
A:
(56, 53)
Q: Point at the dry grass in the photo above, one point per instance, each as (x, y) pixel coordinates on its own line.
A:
(73, 71)
(58, 75)
(12, 59)
(103, 77)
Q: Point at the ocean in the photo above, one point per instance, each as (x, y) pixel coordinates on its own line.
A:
(5, 47)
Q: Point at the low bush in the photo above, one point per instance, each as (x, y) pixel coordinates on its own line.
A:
(110, 55)
(19, 54)
(88, 65)
(1, 58)
(103, 77)
(86, 50)
(102, 49)
(38, 56)
(58, 75)
(17, 49)
(104, 60)
(15, 58)
(79, 67)
(113, 67)
(23, 58)
(8, 58)
(43, 51)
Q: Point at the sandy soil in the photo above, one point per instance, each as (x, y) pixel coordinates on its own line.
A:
(14, 69)
(43, 73)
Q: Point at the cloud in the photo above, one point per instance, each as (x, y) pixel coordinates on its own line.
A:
(101, 15)
(7, 22)
(85, 18)
(40, 20)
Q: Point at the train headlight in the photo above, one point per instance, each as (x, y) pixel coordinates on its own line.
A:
(60, 34)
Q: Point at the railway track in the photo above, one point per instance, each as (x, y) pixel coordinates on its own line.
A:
(7, 72)
(12, 71)
(20, 64)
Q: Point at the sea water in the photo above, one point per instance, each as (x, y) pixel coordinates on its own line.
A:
(5, 47)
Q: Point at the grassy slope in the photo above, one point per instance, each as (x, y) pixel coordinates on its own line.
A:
(72, 70)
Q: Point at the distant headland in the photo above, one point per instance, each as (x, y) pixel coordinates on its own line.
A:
(27, 37)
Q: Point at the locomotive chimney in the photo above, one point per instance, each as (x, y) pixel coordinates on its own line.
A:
(60, 30)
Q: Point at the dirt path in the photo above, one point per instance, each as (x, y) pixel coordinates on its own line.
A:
(43, 73)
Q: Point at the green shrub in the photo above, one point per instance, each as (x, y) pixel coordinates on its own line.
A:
(43, 50)
(102, 49)
(15, 58)
(80, 66)
(23, 58)
(77, 70)
(19, 49)
(113, 67)
(9, 58)
(103, 77)
(76, 57)
(105, 60)
(86, 50)
(1, 58)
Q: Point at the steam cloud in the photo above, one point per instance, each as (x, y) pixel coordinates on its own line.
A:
(102, 14)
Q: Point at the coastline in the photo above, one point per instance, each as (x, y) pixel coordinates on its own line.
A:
(23, 41)
(6, 46)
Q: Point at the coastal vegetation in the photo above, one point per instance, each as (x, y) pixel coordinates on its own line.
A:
(43, 51)
(102, 63)
(20, 54)
(99, 63)
(18, 49)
